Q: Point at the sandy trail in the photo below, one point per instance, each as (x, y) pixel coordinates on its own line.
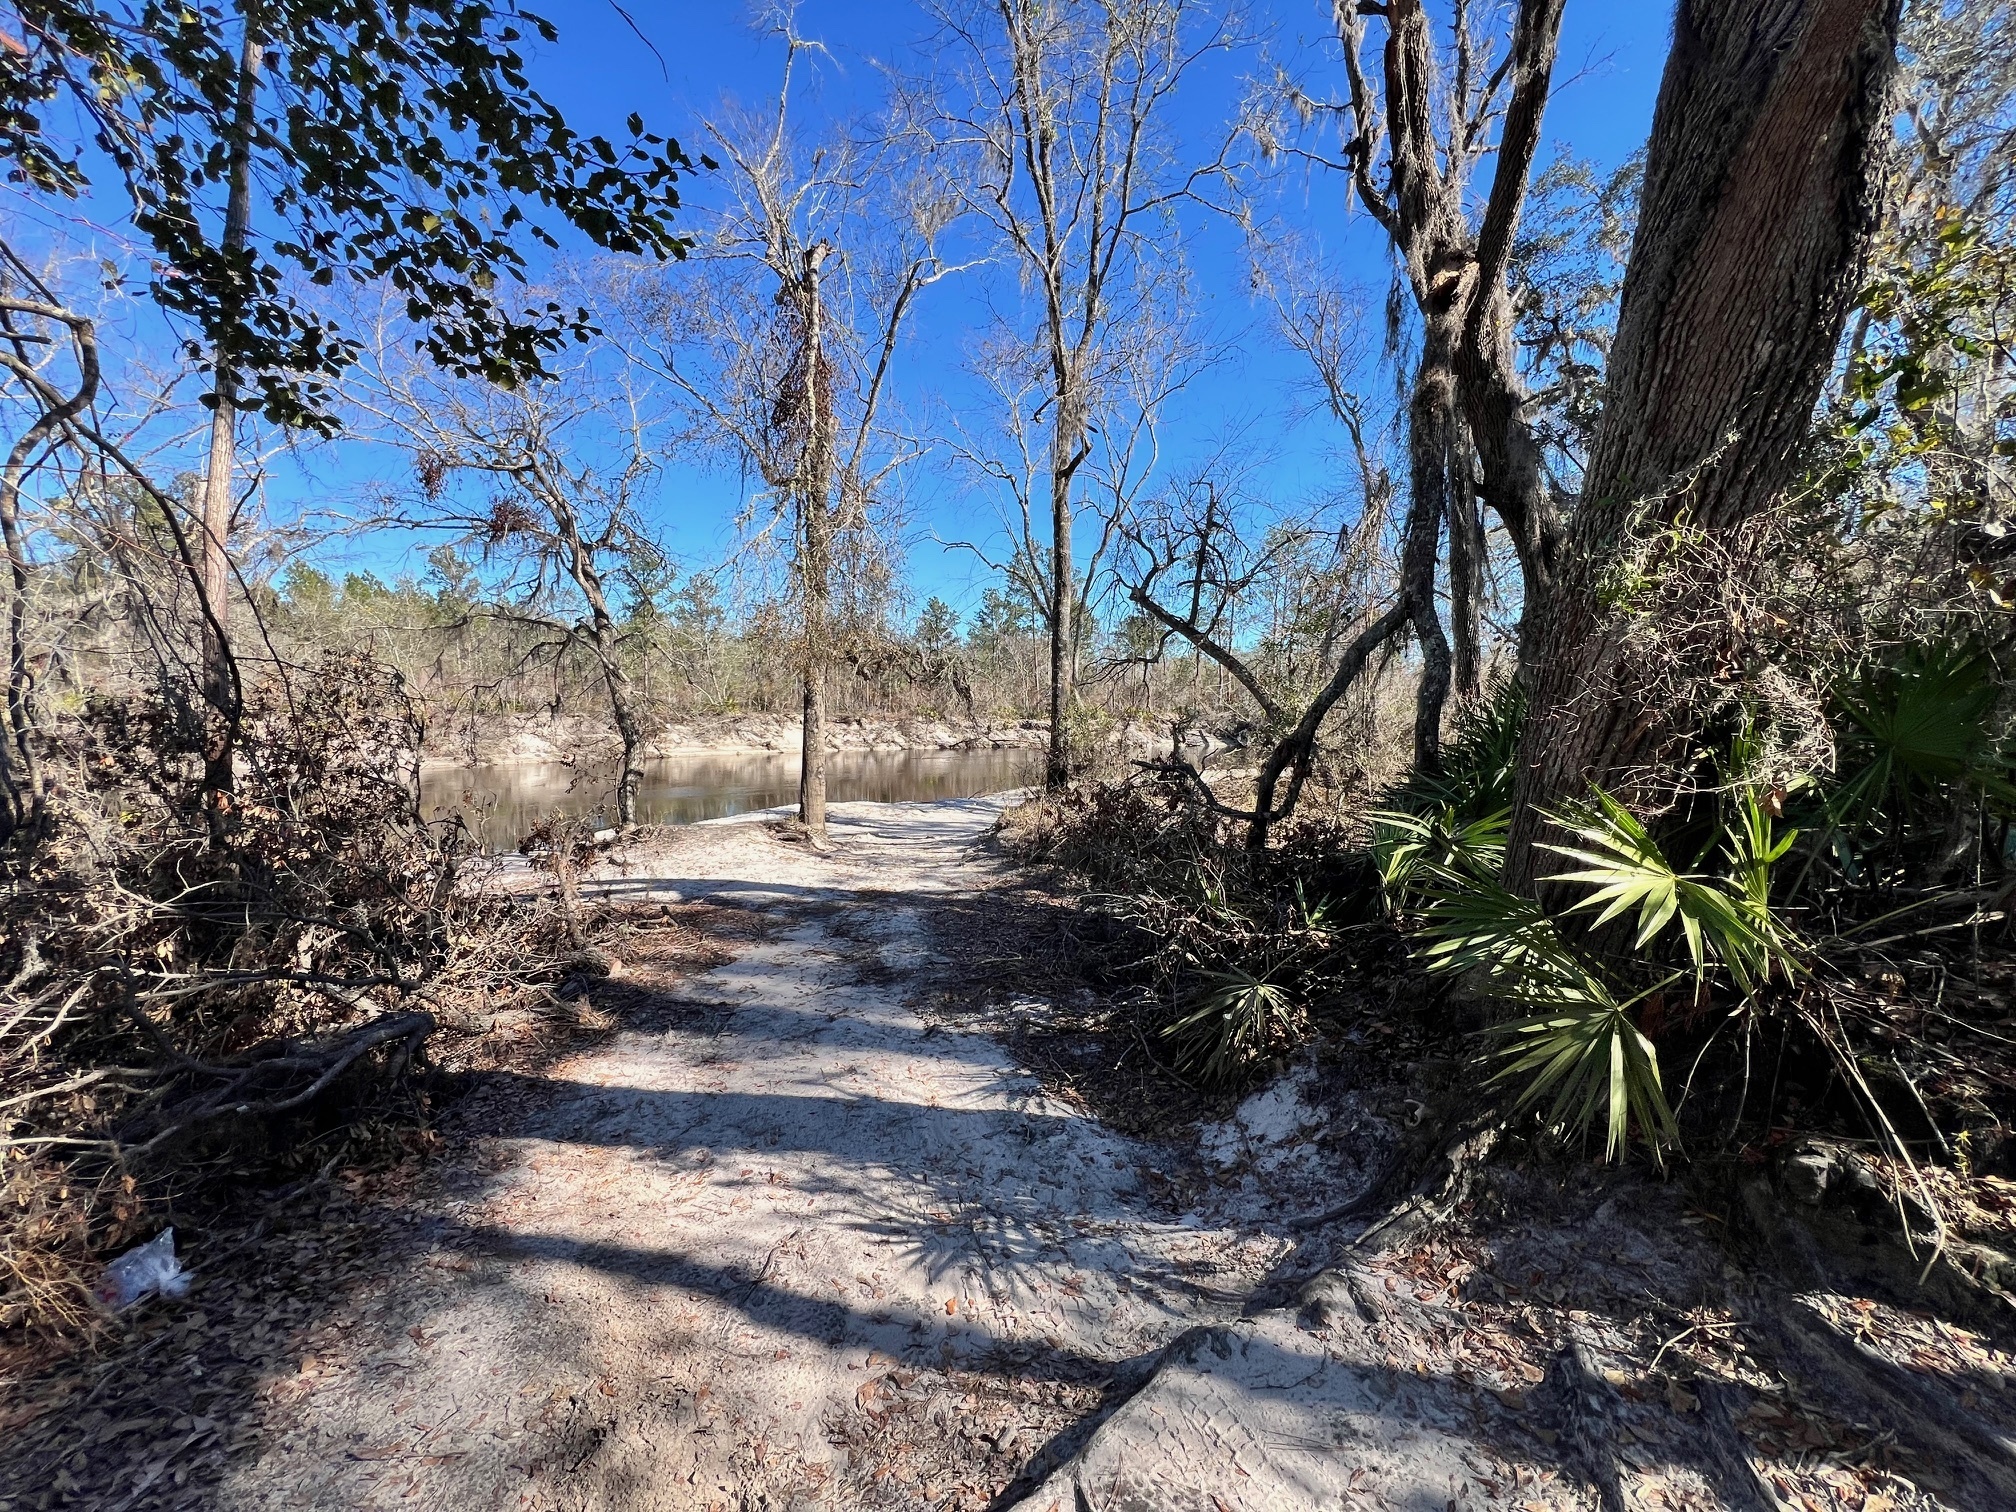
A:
(802, 1248)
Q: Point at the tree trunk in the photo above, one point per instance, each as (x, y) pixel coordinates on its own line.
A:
(812, 740)
(1510, 475)
(1064, 443)
(631, 777)
(1295, 753)
(1466, 565)
(1762, 194)
(220, 687)
(1430, 430)
(815, 566)
(26, 789)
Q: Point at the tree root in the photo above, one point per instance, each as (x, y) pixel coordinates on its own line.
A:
(1450, 1179)
(1586, 1396)
(1743, 1486)
(1336, 1294)
(1980, 1459)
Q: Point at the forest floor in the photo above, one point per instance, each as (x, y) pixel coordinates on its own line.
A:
(878, 1210)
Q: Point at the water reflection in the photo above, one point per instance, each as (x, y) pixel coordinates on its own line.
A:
(503, 802)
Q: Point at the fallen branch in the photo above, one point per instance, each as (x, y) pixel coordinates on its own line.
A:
(230, 1102)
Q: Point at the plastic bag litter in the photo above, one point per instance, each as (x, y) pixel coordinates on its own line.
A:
(141, 1272)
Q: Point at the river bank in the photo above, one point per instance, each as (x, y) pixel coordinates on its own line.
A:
(496, 740)
(538, 737)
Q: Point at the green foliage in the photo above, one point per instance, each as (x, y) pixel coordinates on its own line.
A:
(1913, 731)
(1595, 1063)
(1456, 818)
(1576, 1048)
(937, 627)
(396, 141)
(1003, 615)
(1234, 1018)
(1724, 918)
(1479, 761)
(1406, 848)
(1575, 1045)
(1939, 306)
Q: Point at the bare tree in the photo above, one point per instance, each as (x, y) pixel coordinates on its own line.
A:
(52, 374)
(219, 685)
(783, 332)
(1123, 452)
(27, 344)
(1763, 186)
(564, 465)
(1195, 557)
(1058, 115)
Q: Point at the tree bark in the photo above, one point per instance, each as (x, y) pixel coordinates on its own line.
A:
(1430, 435)
(630, 778)
(579, 557)
(26, 789)
(815, 491)
(1294, 754)
(1469, 367)
(219, 677)
(1763, 191)
(1466, 566)
(1066, 453)
(1510, 477)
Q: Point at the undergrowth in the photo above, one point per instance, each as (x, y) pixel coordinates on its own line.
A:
(1850, 926)
(180, 1009)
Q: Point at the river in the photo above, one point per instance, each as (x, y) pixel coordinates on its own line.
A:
(502, 802)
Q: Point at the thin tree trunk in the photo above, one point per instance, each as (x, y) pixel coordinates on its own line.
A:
(1466, 564)
(1763, 189)
(1457, 278)
(630, 779)
(1064, 444)
(815, 491)
(219, 680)
(812, 747)
(26, 790)
(604, 638)
(1510, 475)
(1293, 755)
(1430, 427)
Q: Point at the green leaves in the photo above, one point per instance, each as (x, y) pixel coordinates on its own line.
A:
(1912, 729)
(1593, 1062)
(1235, 1017)
(1577, 1049)
(391, 139)
(1404, 846)
(1575, 1046)
(1725, 919)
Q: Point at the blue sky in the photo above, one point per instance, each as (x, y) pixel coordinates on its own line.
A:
(600, 70)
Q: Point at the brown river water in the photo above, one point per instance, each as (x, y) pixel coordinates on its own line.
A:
(504, 801)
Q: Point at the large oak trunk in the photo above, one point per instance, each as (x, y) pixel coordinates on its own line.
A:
(1762, 193)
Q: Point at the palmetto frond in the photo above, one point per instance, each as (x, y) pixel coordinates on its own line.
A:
(1578, 1045)
(1235, 1018)
(1407, 847)
(1726, 920)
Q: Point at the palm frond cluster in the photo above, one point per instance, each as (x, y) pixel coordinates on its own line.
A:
(1745, 919)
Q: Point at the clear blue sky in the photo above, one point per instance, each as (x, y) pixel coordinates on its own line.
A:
(1611, 57)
